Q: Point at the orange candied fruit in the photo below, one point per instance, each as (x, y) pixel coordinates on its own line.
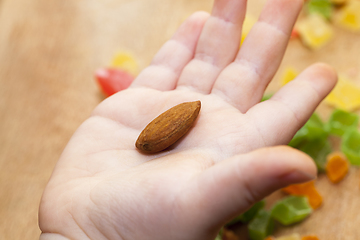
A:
(270, 238)
(337, 167)
(308, 190)
(310, 237)
(229, 235)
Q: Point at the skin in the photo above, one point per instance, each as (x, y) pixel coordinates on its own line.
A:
(103, 188)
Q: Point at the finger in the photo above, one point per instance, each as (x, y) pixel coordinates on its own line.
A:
(217, 47)
(233, 185)
(244, 81)
(279, 118)
(168, 63)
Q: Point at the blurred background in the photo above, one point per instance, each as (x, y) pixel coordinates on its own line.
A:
(49, 51)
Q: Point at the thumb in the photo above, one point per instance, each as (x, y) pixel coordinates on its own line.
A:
(230, 187)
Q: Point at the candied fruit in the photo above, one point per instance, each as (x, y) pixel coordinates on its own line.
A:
(322, 7)
(249, 214)
(307, 190)
(348, 17)
(345, 95)
(315, 31)
(310, 237)
(126, 62)
(340, 121)
(270, 238)
(317, 149)
(228, 235)
(313, 129)
(261, 226)
(289, 75)
(350, 146)
(113, 80)
(291, 210)
(337, 167)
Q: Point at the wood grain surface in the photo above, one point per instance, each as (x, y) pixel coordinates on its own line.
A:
(48, 53)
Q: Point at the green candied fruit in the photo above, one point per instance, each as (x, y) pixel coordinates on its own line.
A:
(314, 128)
(321, 7)
(350, 146)
(219, 236)
(249, 214)
(318, 150)
(266, 97)
(291, 210)
(261, 226)
(340, 121)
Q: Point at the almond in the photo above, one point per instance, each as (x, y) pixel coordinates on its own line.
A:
(168, 127)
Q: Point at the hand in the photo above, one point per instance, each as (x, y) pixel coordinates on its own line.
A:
(103, 188)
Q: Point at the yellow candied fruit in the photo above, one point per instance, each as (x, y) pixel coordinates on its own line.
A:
(310, 237)
(345, 95)
(289, 75)
(126, 62)
(294, 236)
(315, 31)
(249, 22)
(337, 167)
(349, 16)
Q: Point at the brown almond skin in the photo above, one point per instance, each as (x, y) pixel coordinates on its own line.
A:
(168, 127)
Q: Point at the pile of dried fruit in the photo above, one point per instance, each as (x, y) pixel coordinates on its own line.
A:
(315, 29)
(313, 139)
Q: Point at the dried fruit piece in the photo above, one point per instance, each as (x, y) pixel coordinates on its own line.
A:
(312, 139)
(294, 33)
(270, 238)
(345, 95)
(291, 210)
(313, 129)
(350, 146)
(266, 97)
(169, 127)
(340, 121)
(349, 16)
(219, 235)
(289, 75)
(337, 167)
(113, 80)
(249, 214)
(310, 237)
(261, 226)
(308, 190)
(322, 7)
(317, 149)
(315, 31)
(229, 235)
(126, 62)
(294, 236)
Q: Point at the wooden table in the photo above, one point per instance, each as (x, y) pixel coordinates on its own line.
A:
(48, 53)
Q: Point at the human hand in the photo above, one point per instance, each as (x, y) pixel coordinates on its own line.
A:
(104, 188)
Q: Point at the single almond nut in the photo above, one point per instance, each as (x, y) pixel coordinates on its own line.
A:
(168, 127)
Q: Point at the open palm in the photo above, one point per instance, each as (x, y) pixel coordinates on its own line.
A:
(104, 188)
